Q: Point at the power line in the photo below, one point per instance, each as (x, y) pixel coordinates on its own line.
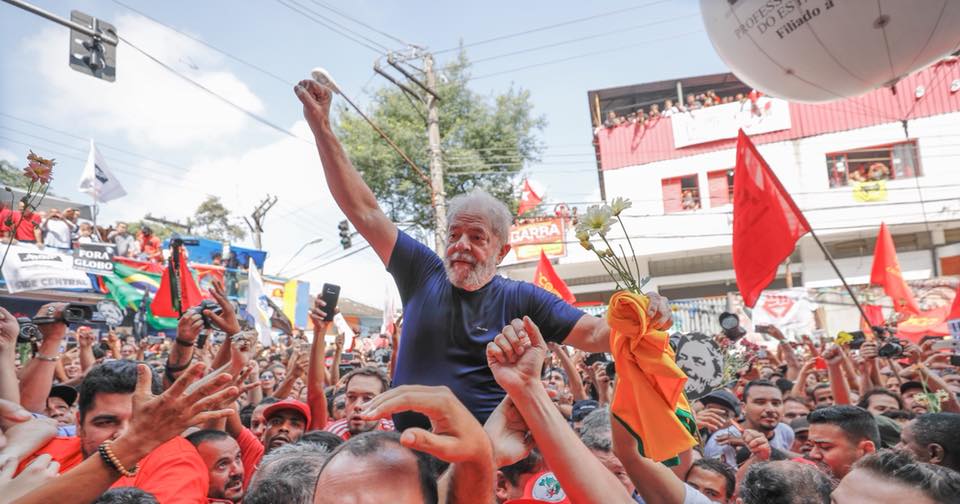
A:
(312, 15)
(587, 54)
(85, 139)
(581, 39)
(549, 27)
(238, 59)
(324, 5)
(209, 91)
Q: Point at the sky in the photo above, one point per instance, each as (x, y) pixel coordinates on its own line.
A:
(171, 144)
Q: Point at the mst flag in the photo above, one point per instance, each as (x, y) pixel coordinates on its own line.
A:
(172, 300)
(547, 279)
(766, 222)
(886, 272)
(97, 181)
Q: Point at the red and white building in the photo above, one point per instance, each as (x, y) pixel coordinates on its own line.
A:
(886, 156)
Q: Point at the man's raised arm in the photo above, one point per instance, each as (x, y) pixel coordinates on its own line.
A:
(351, 193)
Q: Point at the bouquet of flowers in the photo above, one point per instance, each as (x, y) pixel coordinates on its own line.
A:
(595, 225)
(39, 172)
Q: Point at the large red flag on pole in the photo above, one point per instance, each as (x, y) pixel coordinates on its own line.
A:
(546, 278)
(886, 272)
(766, 222)
(178, 291)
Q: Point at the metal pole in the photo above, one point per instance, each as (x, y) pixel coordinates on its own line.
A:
(64, 22)
(436, 162)
(837, 270)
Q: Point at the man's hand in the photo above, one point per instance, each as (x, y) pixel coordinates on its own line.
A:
(9, 330)
(711, 420)
(659, 311)
(516, 355)
(189, 327)
(317, 315)
(316, 103)
(157, 419)
(833, 354)
(456, 435)
(869, 350)
(56, 330)
(757, 443)
(85, 337)
(509, 434)
(227, 320)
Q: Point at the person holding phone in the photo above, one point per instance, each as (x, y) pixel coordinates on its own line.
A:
(455, 304)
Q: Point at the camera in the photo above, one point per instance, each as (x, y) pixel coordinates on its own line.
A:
(730, 326)
(29, 332)
(612, 370)
(208, 304)
(72, 314)
(891, 349)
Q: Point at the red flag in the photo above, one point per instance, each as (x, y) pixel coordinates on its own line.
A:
(546, 278)
(163, 303)
(529, 199)
(955, 308)
(886, 272)
(766, 222)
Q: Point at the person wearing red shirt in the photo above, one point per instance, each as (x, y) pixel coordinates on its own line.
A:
(286, 420)
(174, 472)
(150, 245)
(5, 215)
(361, 386)
(27, 224)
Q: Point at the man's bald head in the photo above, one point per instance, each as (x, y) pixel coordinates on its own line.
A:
(373, 467)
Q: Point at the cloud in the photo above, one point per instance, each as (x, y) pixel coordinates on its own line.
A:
(149, 105)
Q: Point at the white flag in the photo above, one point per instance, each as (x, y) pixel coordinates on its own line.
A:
(257, 305)
(97, 181)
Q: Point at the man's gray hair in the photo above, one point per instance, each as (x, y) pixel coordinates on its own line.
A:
(595, 430)
(287, 474)
(481, 203)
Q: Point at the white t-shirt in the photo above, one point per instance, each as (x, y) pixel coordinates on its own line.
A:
(57, 234)
(782, 440)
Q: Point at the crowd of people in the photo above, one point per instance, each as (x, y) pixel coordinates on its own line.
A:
(694, 101)
(65, 230)
(488, 390)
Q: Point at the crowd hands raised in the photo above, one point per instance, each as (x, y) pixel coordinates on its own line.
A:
(231, 421)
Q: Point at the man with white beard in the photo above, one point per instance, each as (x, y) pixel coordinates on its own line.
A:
(455, 306)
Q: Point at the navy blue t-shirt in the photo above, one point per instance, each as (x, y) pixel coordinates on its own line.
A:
(446, 329)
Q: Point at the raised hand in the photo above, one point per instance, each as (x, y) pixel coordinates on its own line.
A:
(85, 337)
(56, 330)
(516, 355)
(316, 103)
(455, 437)
(757, 443)
(227, 320)
(509, 434)
(711, 420)
(189, 327)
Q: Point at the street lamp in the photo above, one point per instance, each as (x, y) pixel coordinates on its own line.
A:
(294, 256)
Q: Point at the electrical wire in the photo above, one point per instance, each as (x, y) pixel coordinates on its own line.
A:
(549, 27)
(318, 18)
(587, 54)
(324, 5)
(238, 59)
(252, 115)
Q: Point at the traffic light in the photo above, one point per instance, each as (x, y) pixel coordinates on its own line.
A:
(96, 56)
(344, 228)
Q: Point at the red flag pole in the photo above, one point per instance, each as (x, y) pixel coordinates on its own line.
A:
(826, 252)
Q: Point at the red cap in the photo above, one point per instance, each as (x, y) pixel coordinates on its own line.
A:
(288, 404)
(542, 487)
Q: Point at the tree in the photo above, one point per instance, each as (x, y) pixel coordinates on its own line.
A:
(12, 176)
(212, 220)
(485, 141)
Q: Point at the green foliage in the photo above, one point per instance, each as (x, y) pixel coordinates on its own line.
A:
(12, 176)
(486, 141)
(212, 220)
(159, 230)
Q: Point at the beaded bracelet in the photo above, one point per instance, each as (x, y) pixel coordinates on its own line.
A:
(106, 453)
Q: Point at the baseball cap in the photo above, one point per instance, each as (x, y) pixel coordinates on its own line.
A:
(583, 408)
(723, 397)
(542, 487)
(799, 425)
(65, 392)
(285, 405)
(908, 385)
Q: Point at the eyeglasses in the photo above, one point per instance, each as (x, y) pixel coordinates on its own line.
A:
(266, 376)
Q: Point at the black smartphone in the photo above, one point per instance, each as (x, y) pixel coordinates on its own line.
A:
(955, 360)
(201, 339)
(330, 296)
(346, 368)
(596, 357)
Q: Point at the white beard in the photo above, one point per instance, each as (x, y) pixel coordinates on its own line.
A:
(478, 276)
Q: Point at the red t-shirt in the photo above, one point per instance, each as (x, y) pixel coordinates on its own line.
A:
(151, 247)
(5, 214)
(251, 451)
(25, 231)
(174, 472)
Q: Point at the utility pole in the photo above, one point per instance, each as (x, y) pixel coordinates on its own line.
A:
(258, 214)
(436, 161)
(170, 223)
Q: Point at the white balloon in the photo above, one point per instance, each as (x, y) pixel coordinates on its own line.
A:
(823, 50)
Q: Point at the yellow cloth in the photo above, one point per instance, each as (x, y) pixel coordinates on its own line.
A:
(649, 383)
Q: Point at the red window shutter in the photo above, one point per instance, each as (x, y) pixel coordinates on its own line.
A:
(719, 192)
(672, 195)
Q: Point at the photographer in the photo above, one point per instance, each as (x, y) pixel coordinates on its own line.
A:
(37, 375)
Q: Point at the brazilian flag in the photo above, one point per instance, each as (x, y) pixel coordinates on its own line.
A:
(127, 286)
